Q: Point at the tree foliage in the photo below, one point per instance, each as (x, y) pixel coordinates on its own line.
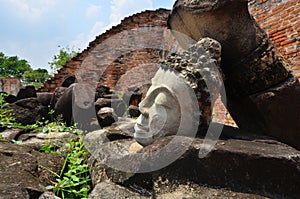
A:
(13, 66)
(65, 54)
(37, 75)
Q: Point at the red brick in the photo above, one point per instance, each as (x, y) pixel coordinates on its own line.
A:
(279, 19)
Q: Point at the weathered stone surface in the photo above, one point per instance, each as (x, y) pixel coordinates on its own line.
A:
(274, 111)
(260, 70)
(249, 61)
(9, 98)
(263, 167)
(13, 191)
(102, 90)
(68, 81)
(45, 163)
(117, 104)
(106, 116)
(119, 107)
(10, 85)
(191, 190)
(63, 105)
(12, 133)
(83, 101)
(132, 98)
(102, 102)
(122, 129)
(108, 190)
(98, 142)
(164, 190)
(37, 140)
(222, 20)
(44, 98)
(240, 161)
(183, 92)
(105, 157)
(26, 92)
(134, 111)
(76, 105)
(133, 89)
(58, 92)
(48, 195)
(28, 111)
(110, 96)
(22, 171)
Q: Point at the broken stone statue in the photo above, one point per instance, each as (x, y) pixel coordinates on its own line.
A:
(182, 94)
(262, 95)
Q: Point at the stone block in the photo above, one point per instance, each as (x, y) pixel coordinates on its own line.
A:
(239, 162)
(274, 112)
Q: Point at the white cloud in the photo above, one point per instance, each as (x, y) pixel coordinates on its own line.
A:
(30, 10)
(123, 8)
(82, 39)
(98, 28)
(37, 53)
(119, 10)
(93, 11)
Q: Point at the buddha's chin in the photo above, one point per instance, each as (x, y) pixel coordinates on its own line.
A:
(142, 136)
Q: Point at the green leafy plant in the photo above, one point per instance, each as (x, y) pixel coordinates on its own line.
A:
(59, 126)
(74, 179)
(65, 54)
(17, 142)
(13, 66)
(35, 126)
(48, 148)
(35, 77)
(6, 116)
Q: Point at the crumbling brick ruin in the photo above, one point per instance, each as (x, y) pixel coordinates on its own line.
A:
(10, 85)
(119, 67)
(280, 19)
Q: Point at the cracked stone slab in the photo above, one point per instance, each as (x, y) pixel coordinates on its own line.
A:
(240, 162)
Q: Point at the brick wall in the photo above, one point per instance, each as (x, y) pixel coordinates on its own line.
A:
(104, 58)
(123, 52)
(281, 20)
(10, 85)
(133, 69)
(106, 61)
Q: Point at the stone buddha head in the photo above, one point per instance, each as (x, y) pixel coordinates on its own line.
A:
(179, 100)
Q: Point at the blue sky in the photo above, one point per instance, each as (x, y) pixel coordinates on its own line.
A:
(33, 29)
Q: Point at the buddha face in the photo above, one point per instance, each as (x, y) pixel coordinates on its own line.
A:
(166, 102)
(160, 116)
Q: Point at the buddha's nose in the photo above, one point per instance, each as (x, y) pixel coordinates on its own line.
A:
(143, 109)
(143, 120)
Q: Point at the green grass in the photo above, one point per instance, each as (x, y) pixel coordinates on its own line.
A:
(6, 115)
(73, 181)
